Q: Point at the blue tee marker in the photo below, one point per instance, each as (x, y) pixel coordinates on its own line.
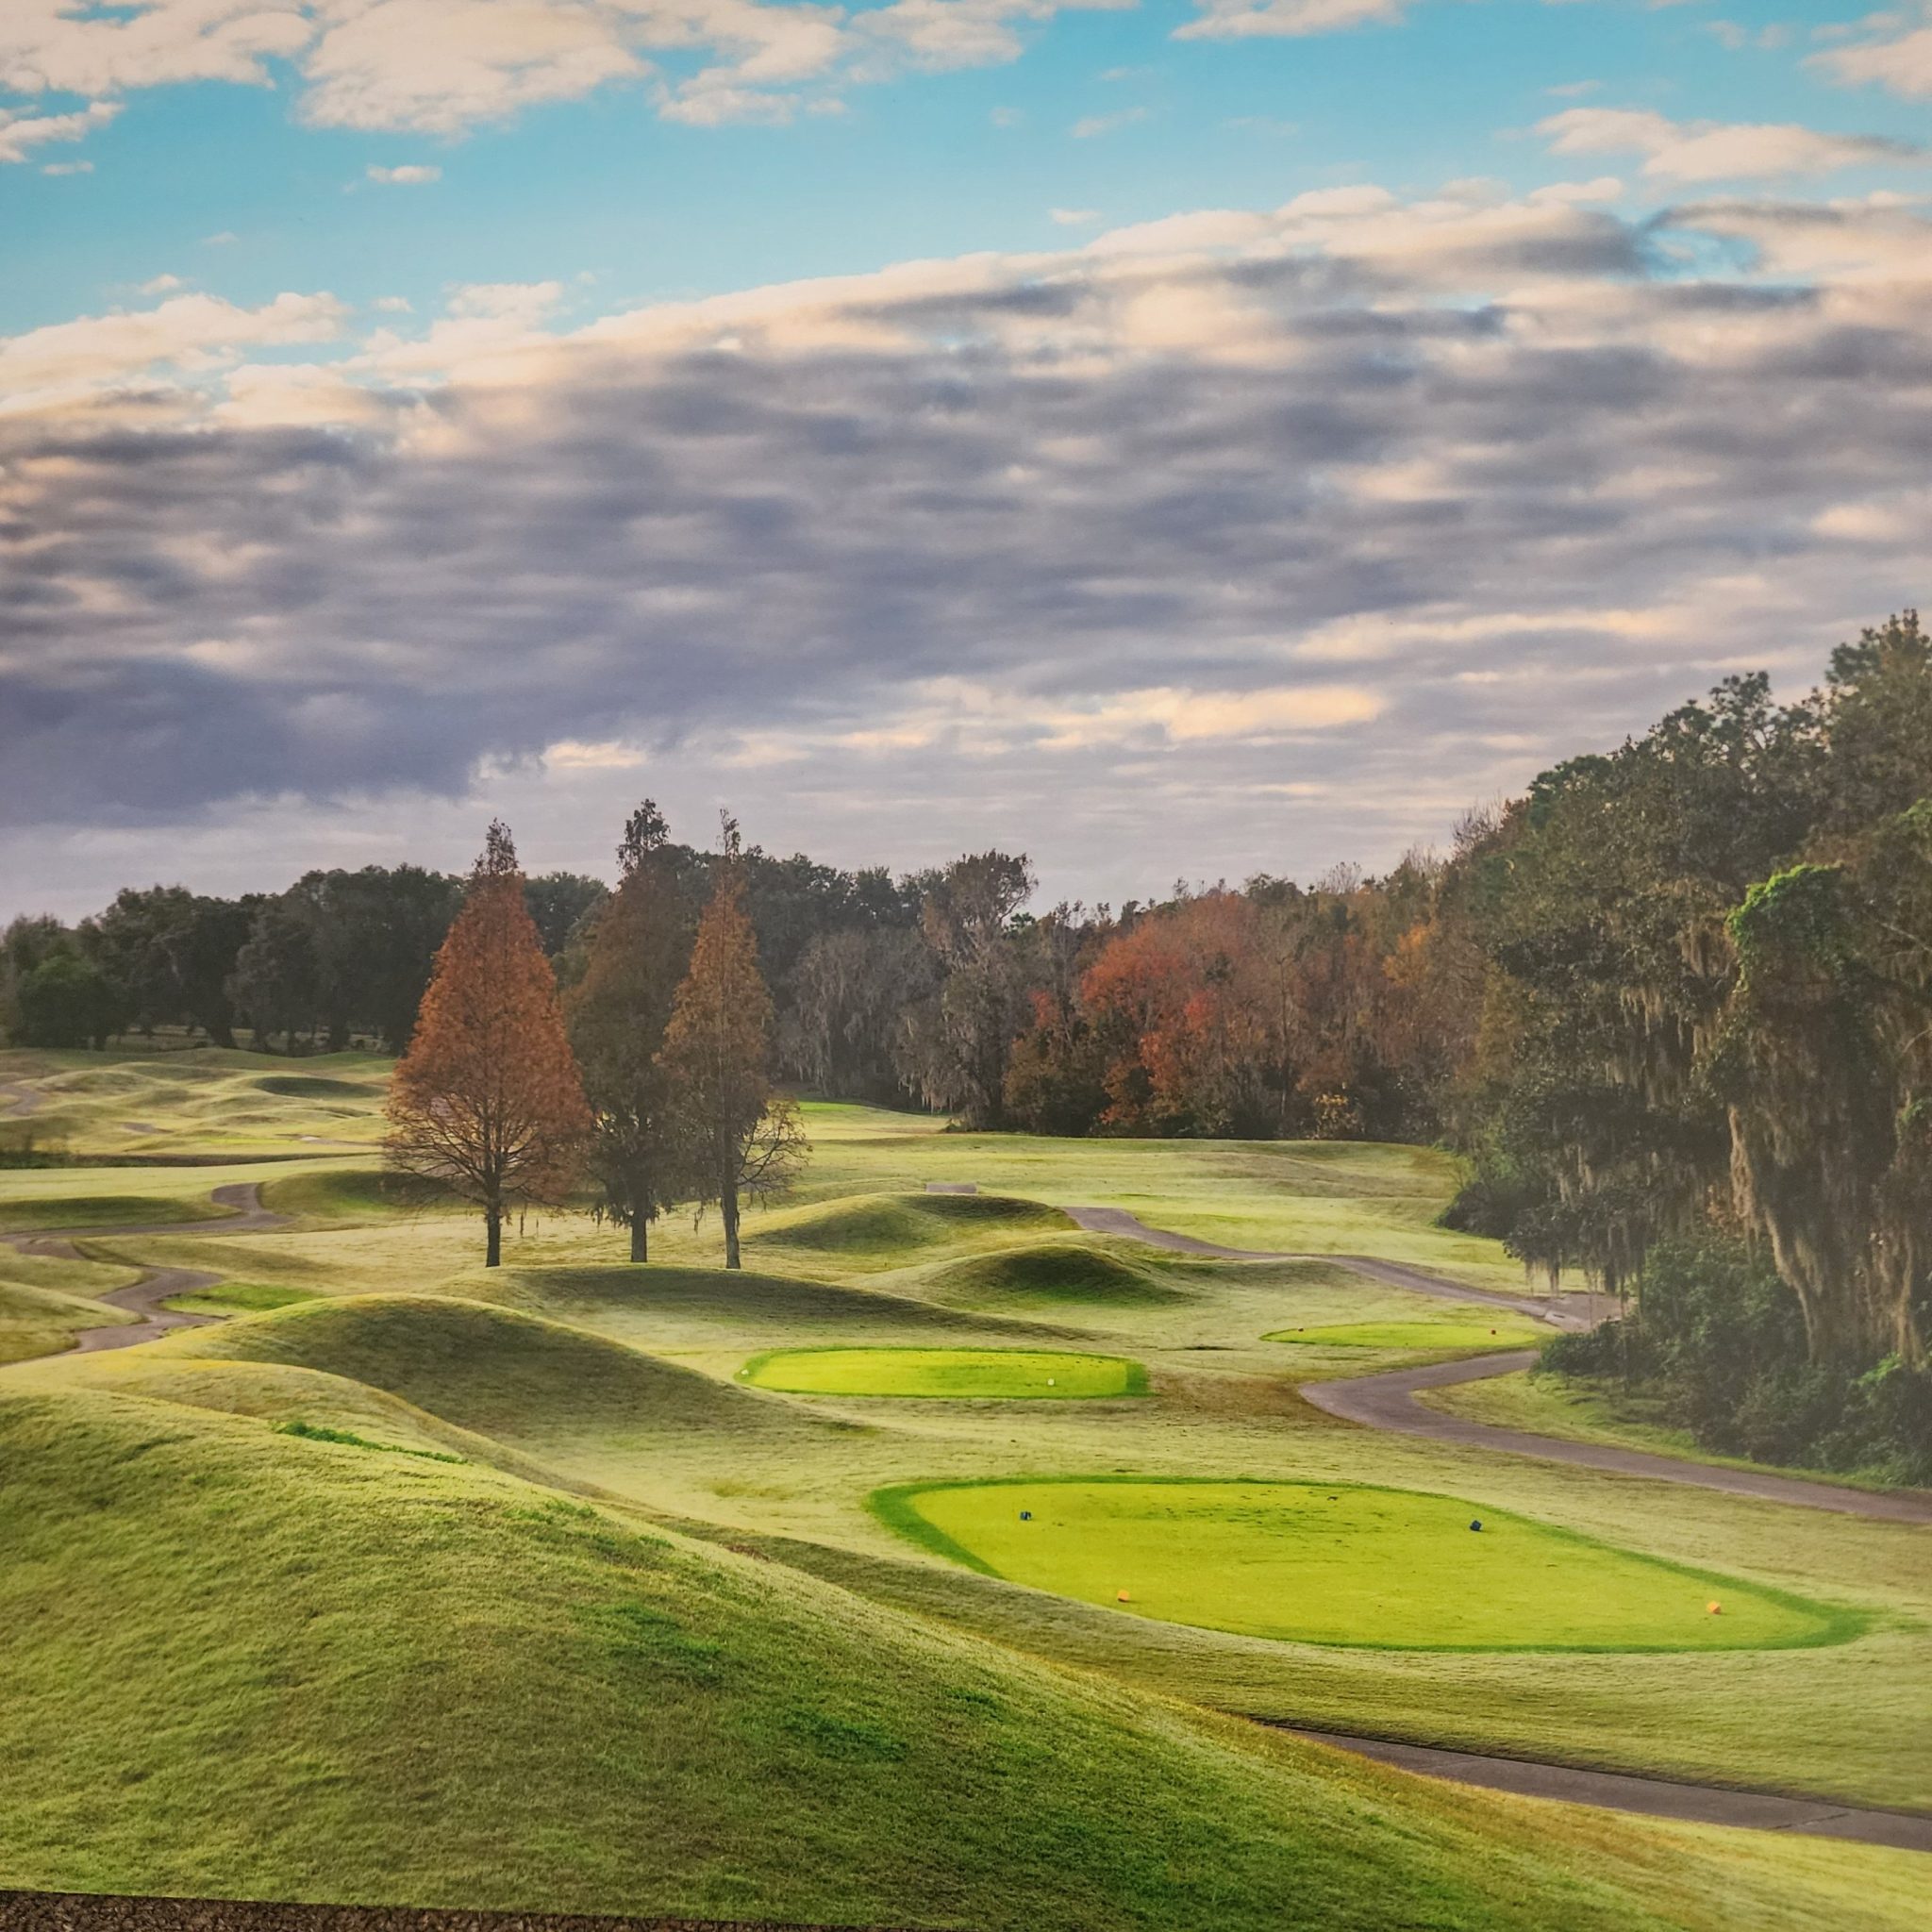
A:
(1477, 1524)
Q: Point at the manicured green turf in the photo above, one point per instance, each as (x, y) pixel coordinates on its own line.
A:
(1346, 1564)
(1507, 1331)
(1002, 1374)
(238, 1298)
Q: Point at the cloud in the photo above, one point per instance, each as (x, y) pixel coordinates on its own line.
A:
(1073, 217)
(1091, 125)
(194, 334)
(447, 66)
(1715, 150)
(68, 168)
(1381, 503)
(20, 133)
(1896, 53)
(1226, 20)
(410, 174)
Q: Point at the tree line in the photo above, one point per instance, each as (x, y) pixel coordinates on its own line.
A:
(1673, 1002)
(649, 1076)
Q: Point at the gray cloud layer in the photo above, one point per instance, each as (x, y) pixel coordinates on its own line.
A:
(1236, 539)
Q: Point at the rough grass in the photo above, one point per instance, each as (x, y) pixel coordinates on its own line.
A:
(368, 1676)
(951, 1373)
(40, 1321)
(886, 1230)
(1346, 1564)
(1050, 1274)
(180, 1099)
(505, 1375)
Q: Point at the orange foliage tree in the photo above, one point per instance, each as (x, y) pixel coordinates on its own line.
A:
(737, 1140)
(487, 1102)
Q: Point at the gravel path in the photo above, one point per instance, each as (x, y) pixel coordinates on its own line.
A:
(17, 1102)
(142, 1299)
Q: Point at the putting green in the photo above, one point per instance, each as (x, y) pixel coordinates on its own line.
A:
(995, 1374)
(1344, 1564)
(1509, 1331)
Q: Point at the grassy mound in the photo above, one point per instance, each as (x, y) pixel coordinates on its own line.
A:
(353, 1194)
(957, 1374)
(41, 1320)
(620, 1294)
(314, 1087)
(1346, 1564)
(1446, 1337)
(890, 1224)
(1048, 1275)
(105, 1212)
(490, 1370)
(368, 1676)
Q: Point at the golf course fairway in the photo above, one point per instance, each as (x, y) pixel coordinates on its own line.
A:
(1344, 1564)
(1001, 1374)
(1510, 1331)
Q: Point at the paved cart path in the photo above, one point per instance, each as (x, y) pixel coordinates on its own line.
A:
(1388, 1401)
(142, 1298)
(1651, 1797)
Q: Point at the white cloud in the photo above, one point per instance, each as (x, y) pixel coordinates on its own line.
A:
(1073, 217)
(20, 133)
(410, 174)
(1223, 20)
(446, 66)
(193, 335)
(1894, 54)
(160, 285)
(1090, 126)
(68, 168)
(1717, 151)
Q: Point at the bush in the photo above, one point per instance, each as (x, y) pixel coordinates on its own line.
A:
(1719, 1341)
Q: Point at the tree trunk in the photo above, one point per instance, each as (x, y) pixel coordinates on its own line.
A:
(640, 1239)
(493, 1240)
(727, 1213)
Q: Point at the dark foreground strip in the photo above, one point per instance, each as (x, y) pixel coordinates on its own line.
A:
(74, 1911)
(1653, 1797)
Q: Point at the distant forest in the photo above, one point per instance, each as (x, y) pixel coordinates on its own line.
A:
(1674, 1006)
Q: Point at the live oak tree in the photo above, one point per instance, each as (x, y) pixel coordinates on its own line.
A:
(737, 1140)
(617, 1013)
(488, 1102)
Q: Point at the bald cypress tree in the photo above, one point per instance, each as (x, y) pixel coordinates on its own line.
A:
(487, 1102)
(736, 1139)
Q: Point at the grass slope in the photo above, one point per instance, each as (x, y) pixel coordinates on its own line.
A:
(1049, 1274)
(492, 1370)
(248, 1664)
(887, 1230)
(1346, 1564)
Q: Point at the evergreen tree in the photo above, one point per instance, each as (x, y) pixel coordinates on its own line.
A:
(618, 1013)
(488, 1101)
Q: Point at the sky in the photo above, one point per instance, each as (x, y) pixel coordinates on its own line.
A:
(1177, 440)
